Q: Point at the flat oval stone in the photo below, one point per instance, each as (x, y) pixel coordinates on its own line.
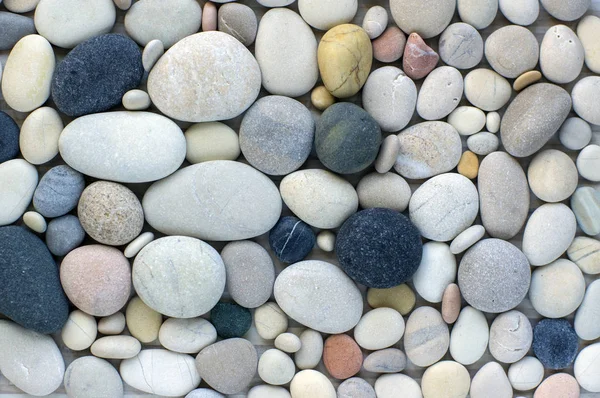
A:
(211, 141)
(520, 12)
(134, 247)
(286, 51)
(584, 94)
(440, 93)
(116, 347)
(419, 59)
(390, 360)
(401, 298)
(479, 14)
(389, 47)
(387, 386)
(461, 46)
(566, 10)
(288, 342)
(152, 53)
(92, 377)
(557, 289)
(18, 180)
(136, 100)
(375, 21)
(332, 305)
(187, 336)
(276, 367)
(270, 321)
(80, 331)
(436, 271)
(511, 336)
(39, 135)
(426, 337)
(444, 379)
(527, 79)
(552, 176)
(310, 383)
(64, 234)
(561, 55)
(325, 15)
(379, 328)
(587, 317)
(587, 367)
(387, 190)
(428, 20)
(492, 122)
(512, 50)
(588, 161)
(451, 302)
(587, 31)
(467, 238)
(58, 191)
(9, 136)
(239, 21)
(483, 143)
(13, 28)
(355, 387)
(491, 381)
(585, 252)
(310, 353)
(555, 343)
(559, 384)
(342, 357)
(469, 338)
(194, 201)
(35, 221)
(210, 393)
(526, 374)
(486, 89)
(467, 120)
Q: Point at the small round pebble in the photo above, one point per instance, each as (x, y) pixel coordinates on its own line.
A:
(426, 337)
(526, 80)
(468, 165)
(9, 136)
(291, 239)
(187, 335)
(526, 374)
(467, 238)
(342, 356)
(35, 221)
(311, 384)
(555, 343)
(446, 379)
(136, 100)
(379, 328)
(552, 176)
(387, 190)
(584, 96)
(152, 52)
(142, 321)
(112, 325)
(91, 377)
(288, 342)
(123, 4)
(211, 141)
(276, 367)
(483, 143)
(451, 302)
(270, 321)
(486, 89)
(116, 347)
(310, 353)
(387, 386)
(491, 381)
(389, 47)
(493, 122)
(239, 21)
(58, 192)
(230, 320)
(138, 244)
(512, 50)
(575, 133)
(461, 46)
(511, 336)
(588, 163)
(321, 98)
(80, 331)
(355, 387)
(326, 241)
(557, 289)
(390, 360)
(561, 385)
(587, 366)
(39, 135)
(388, 152)
(64, 234)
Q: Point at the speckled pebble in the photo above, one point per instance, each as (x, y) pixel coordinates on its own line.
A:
(566, 10)
(355, 387)
(428, 20)
(467, 238)
(483, 143)
(64, 234)
(389, 47)
(342, 357)
(555, 343)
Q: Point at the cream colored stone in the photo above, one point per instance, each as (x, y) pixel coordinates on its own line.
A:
(18, 180)
(116, 347)
(270, 321)
(446, 379)
(526, 79)
(526, 374)
(80, 331)
(136, 100)
(467, 120)
(211, 141)
(326, 241)
(39, 135)
(585, 252)
(311, 351)
(288, 342)
(311, 384)
(492, 123)
(325, 14)
(152, 53)
(486, 89)
(142, 321)
(35, 221)
(138, 244)
(20, 6)
(588, 32)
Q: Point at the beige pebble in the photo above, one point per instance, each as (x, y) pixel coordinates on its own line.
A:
(136, 100)
(321, 98)
(389, 47)
(446, 379)
(467, 120)
(116, 347)
(138, 244)
(311, 384)
(113, 324)
(326, 241)
(80, 331)
(142, 321)
(526, 79)
(387, 190)
(39, 135)
(559, 385)
(209, 17)
(451, 302)
(211, 141)
(20, 6)
(123, 4)
(401, 298)
(426, 336)
(492, 122)
(468, 165)
(35, 221)
(587, 31)
(387, 154)
(270, 321)
(288, 342)
(585, 252)
(152, 52)
(552, 175)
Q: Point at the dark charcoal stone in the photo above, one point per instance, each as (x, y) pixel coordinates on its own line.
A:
(347, 138)
(94, 76)
(64, 234)
(291, 239)
(555, 343)
(230, 320)
(58, 191)
(14, 27)
(379, 248)
(30, 292)
(9, 135)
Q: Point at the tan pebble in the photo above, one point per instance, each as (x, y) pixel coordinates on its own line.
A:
(451, 303)
(387, 154)
(560, 385)
(401, 298)
(585, 252)
(80, 331)
(468, 165)
(389, 47)
(116, 347)
(326, 241)
(123, 4)
(142, 321)
(342, 356)
(526, 79)
(138, 244)
(114, 324)
(321, 98)
(211, 141)
(136, 100)
(39, 135)
(35, 221)
(446, 379)
(209, 17)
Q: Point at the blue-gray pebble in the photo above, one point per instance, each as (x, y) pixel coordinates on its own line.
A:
(64, 234)
(291, 239)
(14, 27)
(347, 138)
(555, 343)
(94, 76)
(30, 289)
(230, 320)
(9, 136)
(379, 248)
(58, 191)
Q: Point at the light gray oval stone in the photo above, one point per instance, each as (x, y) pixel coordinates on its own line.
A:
(426, 338)
(486, 89)
(520, 12)
(588, 30)
(511, 336)
(585, 252)
(427, 19)
(152, 52)
(461, 45)
(469, 337)
(375, 21)
(390, 360)
(491, 381)
(13, 28)
(18, 180)
(91, 377)
(311, 351)
(526, 374)
(585, 203)
(478, 13)
(467, 238)
(585, 99)
(239, 21)
(587, 317)
(512, 50)
(440, 93)
(575, 133)
(387, 190)
(187, 336)
(355, 387)
(483, 143)
(561, 55)
(566, 10)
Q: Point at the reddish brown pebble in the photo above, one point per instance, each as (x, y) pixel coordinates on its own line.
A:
(560, 385)
(389, 47)
(209, 17)
(419, 58)
(342, 356)
(451, 303)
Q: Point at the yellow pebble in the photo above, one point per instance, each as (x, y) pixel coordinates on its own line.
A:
(142, 321)
(321, 98)
(401, 298)
(468, 165)
(526, 79)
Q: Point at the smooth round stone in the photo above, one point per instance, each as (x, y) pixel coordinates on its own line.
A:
(440, 93)
(152, 53)
(134, 247)
(112, 325)
(228, 366)
(355, 387)
(310, 353)
(35, 221)
(188, 267)
(494, 276)
(483, 143)
(526, 374)
(325, 14)
(492, 122)
(520, 12)
(401, 298)
(136, 100)
(558, 385)
(557, 289)
(526, 80)
(379, 328)
(584, 94)
(511, 336)
(555, 343)
(31, 361)
(205, 201)
(319, 295)
(342, 357)
(388, 152)
(188, 336)
(159, 372)
(575, 133)
(419, 59)
(588, 161)
(587, 318)
(39, 135)
(250, 273)
(286, 50)
(230, 320)
(92, 377)
(58, 192)
(468, 165)
(9, 136)
(460, 45)
(479, 14)
(389, 47)
(64, 234)
(80, 331)
(566, 10)
(270, 321)
(387, 190)
(13, 28)
(561, 55)
(168, 22)
(239, 21)
(209, 17)
(432, 206)
(66, 23)
(512, 50)
(436, 271)
(446, 379)
(211, 141)
(28, 73)
(585, 252)
(587, 31)
(451, 302)
(552, 176)
(311, 384)
(491, 381)
(276, 367)
(375, 21)
(426, 337)
(387, 386)
(84, 275)
(260, 391)
(291, 240)
(486, 89)
(390, 97)
(307, 193)
(467, 120)
(326, 241)
(428, 149)
(390, 360)
(116, 347)
(345, 55)
(587, 367)
(379, 248)
(428, 20)
(321, 99)
(142, 321)
(18, 180)
(467, 238)
(470, 336)
(288, 342)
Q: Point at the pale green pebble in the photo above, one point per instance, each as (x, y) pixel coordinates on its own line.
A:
(326, 241)
(35, 221)
(211, 141)
(152, 52)
(492, 122)
(138, 244)
(136, 100)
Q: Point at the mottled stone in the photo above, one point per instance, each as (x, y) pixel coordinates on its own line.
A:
(512, 50)
(486, 89)
(555, 343)
(390, 360)
(426, 337)
(342, 356)
(511, 336)
(389, 47)
(428, 20)
(355, 387)
(558, 385)
(419, 59)
(461, 45)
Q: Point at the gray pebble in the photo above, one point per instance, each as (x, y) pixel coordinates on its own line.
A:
(511, 336)
(387, 190)
(13, 28)
(461, 46)
(520, 12)
(375, 21)
(467, 238)
(566, 10)
(483, 143)
(478, 13)
(585, 99)
(58, 191)
(426, 338)
(64, 234)
(239, 21)
(355, 387)
(512, 50)
(561, 55)
(390, 360)
(575, 133)
(585, 203)
(91, 377)
(388, 152)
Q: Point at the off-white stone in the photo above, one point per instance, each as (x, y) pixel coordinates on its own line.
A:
(486, 89)
(187, 336)
(436, 271)
(575, 133)
(561, 55)
(138, 244)
(18, 180)
(587, 317)
(588, 30)
(39, 135)
(387, 386)
(446, 379)
(80, 331)
(588, 163)
(270, 321)
(35, 221)
(113, 324)
(325, 14)
(557, 289)
(467, 238)
(142, 321)
(587, 366)
(311, 384)
(520, 12)
(276, 367)
(136, 100)
(310, 353)
(152, 53)
(467, 120)
(526, 374)
(211, 141)
(288, 342)
(116, 347)
(470, 336)
(379, 328)
(491, 382)
(440, 93)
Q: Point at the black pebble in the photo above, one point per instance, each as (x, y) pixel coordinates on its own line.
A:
(555, 343)
(291, 239)
(230, 320)
(9, 138)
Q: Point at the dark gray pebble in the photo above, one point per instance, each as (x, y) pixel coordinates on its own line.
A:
(291, 239)
(9, 133)
(555, 343)
(64, 234)
(58, 191)
(14, 27)
(230, 320)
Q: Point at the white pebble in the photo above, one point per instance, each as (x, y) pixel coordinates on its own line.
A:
(587, 368)
(436, 271)
(152, 52)
(136, 100)
(557, 289)
(588, 163)
(492, 123)
(39, 135)
(80, 331)
(326, 241)
(35, 221)
(379, 328)
(467, 120)
(511, 336)
(387, 154)
(388, 386)
(575, 133)
(276, 367)
(116, 347)
(266, 391)
(467, 238)
(587, 317)
(187, 336)
(288, 342)
(114, 324)
(375, 21)
(469, 337)
(138, 244)
(270, 321)
(311, 351)
(526, 374)
(311, 384)
(491, 381)
(325, 14)
(552, 175)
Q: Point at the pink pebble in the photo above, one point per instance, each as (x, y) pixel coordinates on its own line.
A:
(560, 385)
(209, 17)
(390, 45)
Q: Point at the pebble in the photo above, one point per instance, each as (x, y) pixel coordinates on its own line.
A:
(321, 98)
(467, 120)
(152, 53)
(255, 392)
(291, 240)
(92, 377)
(20, 6)
(526, 374)
(512, 50)
(432, 206)
(270, 321)
(587, 367)
(479, 14)
(526, 80)
(187, 336)
(355, 387)
(389, 47)
(467, 238)
(39, 135)
(494, 276)
(470, 336)
(123, 4)
(387, 190)
(561, 55)
(401, 298)
(587, 317)
(427, 20)
(58, 192)
(275, 3)
(211, 141)
(276, 367)
(428, 149)
(31, 294)
(468, 165)
(587, 31)
(379, 248)
(387, 386)
(209, 17)
(436, 271)
(116, 347)
(493, 122)
(375, 21)
(250, 273)
(311, 292)
(388, 152)
(136, 100)
(28, 73)
(310, 353)
(451, 302)
(588, 161)
(483, 143)
(446, 379)
(176, 83)
(230, 320)
(112, 325)
(239, 21)
(326, 241)
(64, 234)
(9, 135)
(566, 10)
(342, 357)
(390, 360)
(557, 289)
(286, 50)
(142, 321)
(511, 336)
(21, 178)
(319, 197)
(35, 221)
(159, 372)
(390, 97)
(288, 342)
(311, 384)
(558, 385)
(350, 47)
(486, 89)
(13, 28)
(440, 93)
(426, 338)
(552, 176)
(520, 12)
(584, 93)
(379, 328)
(419, 59)
(555, 343)
(491, 381)
(575, 133)
(228, 366)
(324, 15)
(461, 45)
(147, 20)
(134, 247)
(217, 209)
(30, 361)
(80, 331)
(585, 252)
